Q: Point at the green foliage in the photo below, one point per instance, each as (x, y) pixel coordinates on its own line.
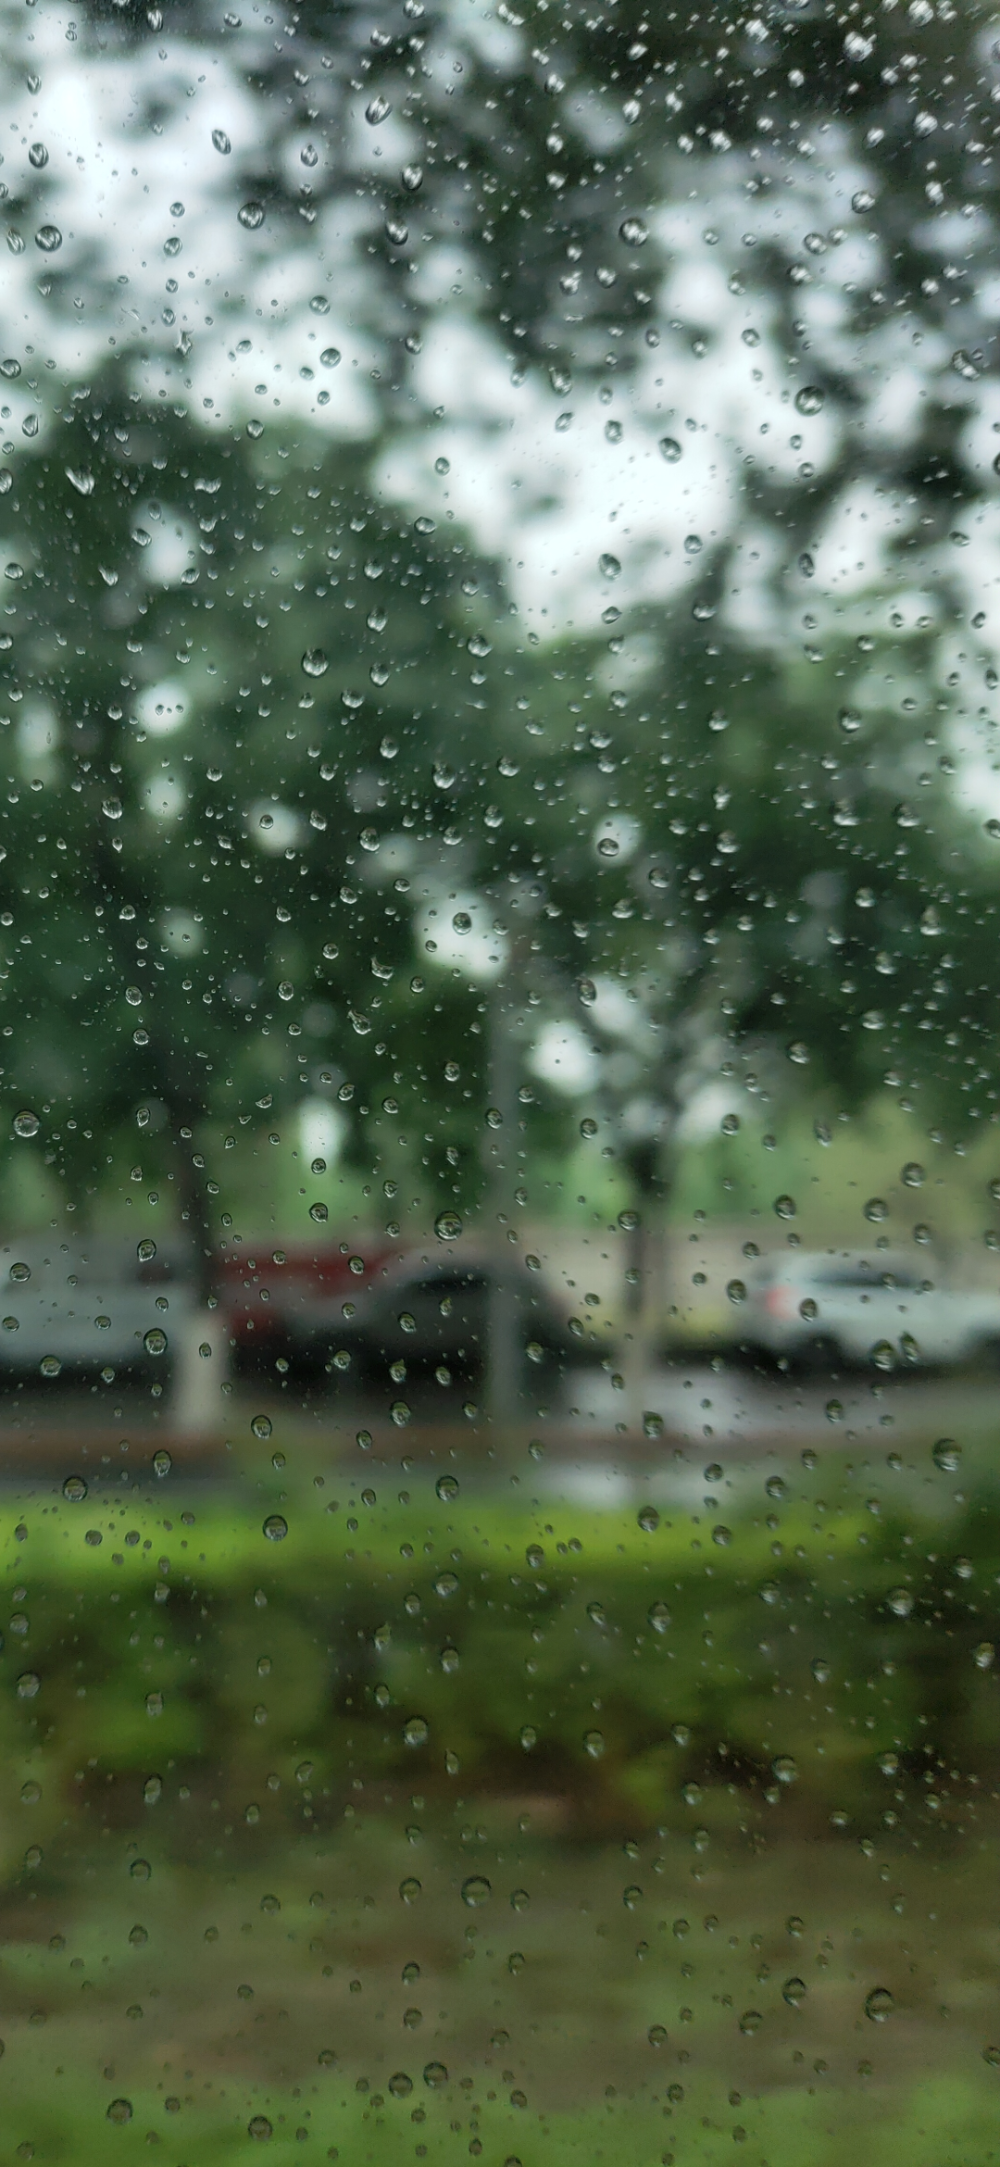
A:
(322, 1649)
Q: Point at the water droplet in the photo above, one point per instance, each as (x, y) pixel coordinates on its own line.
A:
(913, 1175)
(879, 2004)
(259, 2126)
(751, 2021)
(146, 1251)
(155, 1340)
(275, 1527)
(785, 1207)
(659, 1617)
(154, 1704)
(876, 1210)
(628, 1221)
(446, 1584)
(820, 1669)
(446, 1488)
(120, 2110)
(657, 2035)
(794, 1993)
(38, 156)
(608, 846)
(416, 1731)
(448, 1226)
(26, 1123)
(984, 1655)
(399, 1413)
(50, 1365)
(609, 566)
(74, 1489)
(670, 449)
(140, 1869)
(900, 1602)
(810, 400)
(251, 215)
(330, 356)
(400, 2085)
(435, 2075)
(319, 1212)
(261, 1426)
(314, 662)
(410, 1889)
(48, 239)
(221, 142)
(736, 1290)
(28, 1684)
(652, 1423)
(883, 1355)
(81, 480)
(784, 1769)
(648, 1519)
(476, 1891)
(162, 1462)
(722, 1536)
(377, 110)
(594, 1744)
(946, 1455)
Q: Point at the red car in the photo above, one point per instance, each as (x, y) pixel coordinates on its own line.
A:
(290, 1302)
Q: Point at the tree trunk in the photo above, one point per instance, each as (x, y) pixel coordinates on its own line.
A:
(643, 1293)
(505, 1353)
(200, 1340)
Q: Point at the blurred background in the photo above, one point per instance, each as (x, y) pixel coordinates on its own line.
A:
(499, 1184)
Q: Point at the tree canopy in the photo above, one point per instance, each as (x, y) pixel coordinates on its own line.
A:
(303, 790)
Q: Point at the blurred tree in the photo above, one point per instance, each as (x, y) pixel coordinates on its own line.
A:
(724, 836)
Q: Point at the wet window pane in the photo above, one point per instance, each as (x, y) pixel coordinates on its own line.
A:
(499, 1176)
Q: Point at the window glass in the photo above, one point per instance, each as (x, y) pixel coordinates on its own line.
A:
(499, 1175)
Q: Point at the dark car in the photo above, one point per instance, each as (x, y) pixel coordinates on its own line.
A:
(442, 1314)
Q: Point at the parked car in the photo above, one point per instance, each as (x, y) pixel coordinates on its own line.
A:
(287, 1304)
(310, 1306)
(854, 1307)
(90, 1306)
(442, 1314)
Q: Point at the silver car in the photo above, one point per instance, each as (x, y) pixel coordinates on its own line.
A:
(867, 1308)
(88, 1306)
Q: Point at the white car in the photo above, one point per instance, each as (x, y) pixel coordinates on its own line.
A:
(858, 1308)
(88, 1306)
